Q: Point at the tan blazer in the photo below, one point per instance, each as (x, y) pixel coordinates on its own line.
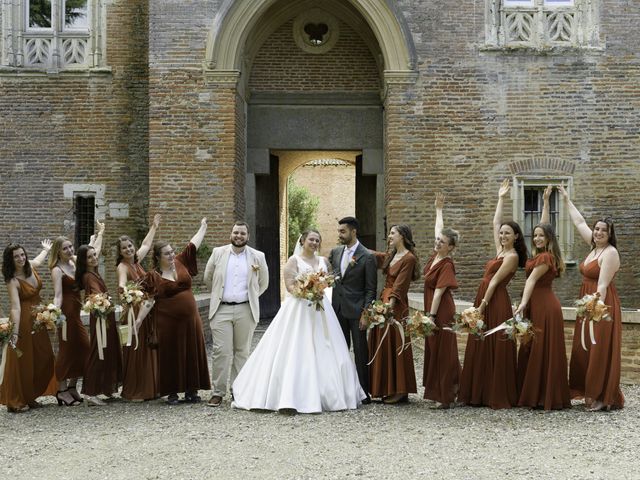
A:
(258, 277)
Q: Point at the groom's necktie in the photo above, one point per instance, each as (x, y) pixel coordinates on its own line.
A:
(346, 256)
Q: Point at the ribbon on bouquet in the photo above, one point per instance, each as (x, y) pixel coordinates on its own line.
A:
(101, 335)
(502, 326)
(325, 327)
(4, 361)
(390, 323)
(132, 331)
(591, 333)
(64, 329)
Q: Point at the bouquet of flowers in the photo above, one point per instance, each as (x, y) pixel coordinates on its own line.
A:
(591, 308)
(47, 317)
(131, 295)
(420, 325)
(6, 332)
(518, 329)
(469, 321)
(377, 314)
(311, 286)
(101, 305)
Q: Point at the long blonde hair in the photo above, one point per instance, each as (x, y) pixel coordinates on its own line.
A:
(54, 254)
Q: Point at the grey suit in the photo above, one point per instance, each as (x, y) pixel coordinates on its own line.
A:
(351, 293)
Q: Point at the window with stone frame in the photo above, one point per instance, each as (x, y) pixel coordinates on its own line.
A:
(542, 24)
(84, 213)
(527, 210)
(52, 35)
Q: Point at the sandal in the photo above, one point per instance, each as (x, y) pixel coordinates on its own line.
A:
(173, 399)
(74, 393)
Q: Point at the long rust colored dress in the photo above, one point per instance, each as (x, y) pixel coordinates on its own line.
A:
(441, 375)
(74, 352)
(182, 357)
(391, 373)
(542, 363)
(102, 376)
(30, 376)
(140, 366)
(489, 371)
(594, 374)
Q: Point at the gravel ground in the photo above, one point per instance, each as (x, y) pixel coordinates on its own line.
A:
(151, 440)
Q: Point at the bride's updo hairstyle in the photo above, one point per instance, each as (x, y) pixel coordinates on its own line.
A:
(306, 233)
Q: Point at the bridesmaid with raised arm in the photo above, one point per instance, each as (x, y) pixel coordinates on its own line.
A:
(441, 365)
(73, 340)
(30, 376)
(489, 370)
(392, 376)
(594, 370)
(182, 357)
(542, 363)
(140, 360)
(103, 371)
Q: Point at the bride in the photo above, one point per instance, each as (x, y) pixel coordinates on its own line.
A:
(302, 362)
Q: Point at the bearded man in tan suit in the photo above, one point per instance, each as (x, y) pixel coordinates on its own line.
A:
(237, 275)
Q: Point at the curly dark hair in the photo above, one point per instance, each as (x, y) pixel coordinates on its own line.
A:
(518, 244)
(125, 238)
(81, 265)
(407, 239)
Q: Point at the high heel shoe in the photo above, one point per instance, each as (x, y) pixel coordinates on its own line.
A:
(74, 393)
(395, 399)
(62, 401)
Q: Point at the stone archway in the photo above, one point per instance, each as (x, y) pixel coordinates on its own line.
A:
(334, 120)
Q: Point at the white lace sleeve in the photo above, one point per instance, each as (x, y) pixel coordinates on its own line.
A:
(290, 272)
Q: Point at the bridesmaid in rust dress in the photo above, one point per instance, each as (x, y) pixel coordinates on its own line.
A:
(140, 365)
(30, 376)
(392, 376)
(103, 371)
(594, 371)
(73, 350)
(542, 363)
(182, 358)
(441, 375)
(489, 370)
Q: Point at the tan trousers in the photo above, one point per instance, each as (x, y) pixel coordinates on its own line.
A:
(232, 329)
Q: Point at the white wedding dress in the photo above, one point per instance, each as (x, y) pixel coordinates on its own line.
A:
(302, 361)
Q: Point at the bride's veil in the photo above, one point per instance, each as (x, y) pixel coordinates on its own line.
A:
(298, 249)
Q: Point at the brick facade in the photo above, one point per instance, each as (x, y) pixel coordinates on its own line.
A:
(162, 139)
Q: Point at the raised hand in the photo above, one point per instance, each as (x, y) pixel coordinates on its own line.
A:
(439, 203)
(156, 220)
(46, 244)
(563, 192)
(547, 193)
(504, 188)
(203, 222)
(100, 227)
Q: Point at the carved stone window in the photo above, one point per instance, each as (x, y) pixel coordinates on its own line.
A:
(316, 31)
(52, 35)
(542, 24)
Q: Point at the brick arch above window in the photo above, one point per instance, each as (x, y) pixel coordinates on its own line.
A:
(52, 36)
(542, 25)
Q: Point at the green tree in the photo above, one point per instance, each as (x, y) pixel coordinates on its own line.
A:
(303, 211)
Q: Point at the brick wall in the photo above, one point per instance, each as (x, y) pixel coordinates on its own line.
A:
(281, 66)
(77, 128)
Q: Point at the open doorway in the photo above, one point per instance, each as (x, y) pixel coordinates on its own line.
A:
(335, 181)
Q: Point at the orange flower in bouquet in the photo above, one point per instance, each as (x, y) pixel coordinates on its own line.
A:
(47, 316)
(311, 287)
(420, 326)
(377, 314)
(591, 308)
(470, 321)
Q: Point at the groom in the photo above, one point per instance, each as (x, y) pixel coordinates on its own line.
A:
(353, 291)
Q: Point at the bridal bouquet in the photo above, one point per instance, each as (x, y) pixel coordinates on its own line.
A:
(131, 295)
(469, 321)
(591, 308)
(47, 317)
(377, 314)
(311, 286)
(518, 329)
(420, 326)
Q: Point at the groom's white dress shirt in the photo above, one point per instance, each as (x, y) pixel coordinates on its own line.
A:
(346, 257)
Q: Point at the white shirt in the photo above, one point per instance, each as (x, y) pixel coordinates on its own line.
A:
(347, 254)
(235, 279)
